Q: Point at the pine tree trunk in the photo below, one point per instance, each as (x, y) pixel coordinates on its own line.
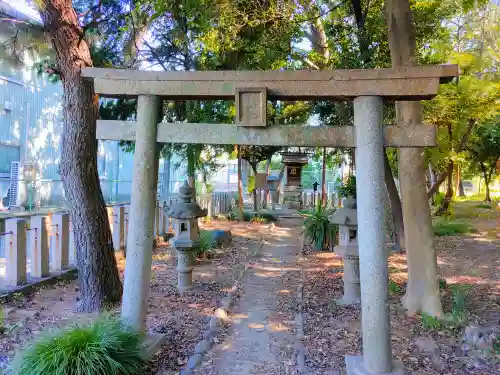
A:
(422, 294)
(97, 272)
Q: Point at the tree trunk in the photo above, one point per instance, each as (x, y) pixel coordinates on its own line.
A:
(395, 203)
(487, 180)
(240, 185)
(98, 275)
(422, 294)
(488, 197)
(266, 191)
(191, 158)
(449, 190)
(459, 191)
(253, 165)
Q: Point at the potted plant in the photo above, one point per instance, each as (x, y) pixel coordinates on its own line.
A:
(347, 191)
(317, 229)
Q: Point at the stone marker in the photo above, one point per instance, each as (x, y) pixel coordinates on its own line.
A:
(15, 251)
(39, 246)
(59, 243)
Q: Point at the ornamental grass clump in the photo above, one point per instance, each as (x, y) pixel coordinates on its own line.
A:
(102, 347)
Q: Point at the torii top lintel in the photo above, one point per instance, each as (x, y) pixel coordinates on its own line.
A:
(404, 83)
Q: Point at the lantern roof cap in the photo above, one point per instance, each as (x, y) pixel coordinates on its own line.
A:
(184, 208)
(344, 216)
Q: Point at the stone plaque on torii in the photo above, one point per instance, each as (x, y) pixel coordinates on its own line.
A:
(250, 91)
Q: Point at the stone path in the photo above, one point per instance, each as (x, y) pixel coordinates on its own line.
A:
(261, 338)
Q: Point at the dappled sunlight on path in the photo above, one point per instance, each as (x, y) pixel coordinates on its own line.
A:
(261, 338)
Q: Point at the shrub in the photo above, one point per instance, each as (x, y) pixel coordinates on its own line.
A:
(258, 219)
(317, 228)
(445, 227)
(205, 243)
(251, 184)
(442, 284)
(100, 348)
(439, 199)
(348, 189)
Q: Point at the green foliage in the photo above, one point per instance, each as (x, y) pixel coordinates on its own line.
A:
(258, 220)
(348, 189)
(442, 284)
(447, 227)
(439, 199)
(251, 184)
(205, 243)
(496, 345)
(103, 347)
(317, 229)
(231, 215)
(394, 287)
(459, 315)
(485, 206)
(429, 322)
(261, 217)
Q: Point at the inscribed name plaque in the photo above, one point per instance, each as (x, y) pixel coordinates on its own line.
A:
(251, 106)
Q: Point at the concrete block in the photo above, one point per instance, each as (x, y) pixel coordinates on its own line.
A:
(15, 251)
(59, 244)
(39, 246)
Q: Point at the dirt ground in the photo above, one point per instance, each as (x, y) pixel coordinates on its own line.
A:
(472, 260)
(182, 317)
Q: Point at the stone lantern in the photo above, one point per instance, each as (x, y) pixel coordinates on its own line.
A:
(346, 218)
(185, 214)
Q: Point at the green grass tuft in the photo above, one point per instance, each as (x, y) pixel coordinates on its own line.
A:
(484, 205)
(101, 348)
(444, 227)
(394, 287)
(430, 322)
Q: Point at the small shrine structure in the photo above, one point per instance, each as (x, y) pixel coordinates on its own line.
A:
(292, 191)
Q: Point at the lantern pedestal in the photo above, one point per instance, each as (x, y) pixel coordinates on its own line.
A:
(184, 269)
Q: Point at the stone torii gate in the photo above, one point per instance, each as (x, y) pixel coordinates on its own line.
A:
(250, 90)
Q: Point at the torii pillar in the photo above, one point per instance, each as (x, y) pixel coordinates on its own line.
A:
(142, 213)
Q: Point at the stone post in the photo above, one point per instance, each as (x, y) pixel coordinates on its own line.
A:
(59, 244)
(118, 228)
(39, 246)
(141, 214)
(15, 251)
(370, 190)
